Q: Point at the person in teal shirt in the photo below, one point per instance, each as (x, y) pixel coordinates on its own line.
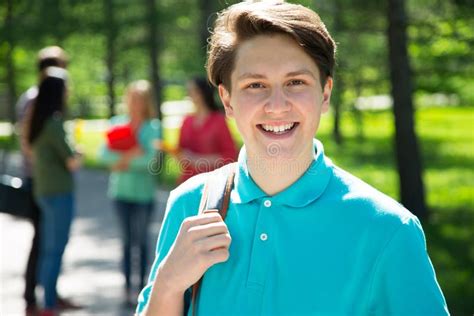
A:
(132, 179)
(301, 236)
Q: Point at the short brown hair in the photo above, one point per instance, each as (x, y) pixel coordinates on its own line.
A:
(246, 20)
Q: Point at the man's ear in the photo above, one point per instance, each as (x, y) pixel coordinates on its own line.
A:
(327, 95)
(225, 98)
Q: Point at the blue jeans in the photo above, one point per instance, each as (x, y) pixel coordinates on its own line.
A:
(57, 212)
(134, 222)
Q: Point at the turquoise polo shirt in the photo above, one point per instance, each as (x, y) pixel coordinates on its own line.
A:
(329, 244)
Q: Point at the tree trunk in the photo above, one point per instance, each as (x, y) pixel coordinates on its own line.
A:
(338, 81)
(337, 102)
(10, 65)
(111, 31)
(358, 114)
(154, 53)
(407, 153)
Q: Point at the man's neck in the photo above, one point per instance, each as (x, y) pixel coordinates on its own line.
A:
(275, 174)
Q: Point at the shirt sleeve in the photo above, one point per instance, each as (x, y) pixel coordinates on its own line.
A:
(404, 281)
(58, 140)
(25, 102)
(147, 137)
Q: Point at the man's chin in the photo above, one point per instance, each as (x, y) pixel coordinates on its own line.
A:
(279, 154)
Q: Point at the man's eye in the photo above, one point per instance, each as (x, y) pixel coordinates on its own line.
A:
(296, 82)
(255, 85)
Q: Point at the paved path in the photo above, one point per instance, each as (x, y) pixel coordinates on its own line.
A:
(91, 267)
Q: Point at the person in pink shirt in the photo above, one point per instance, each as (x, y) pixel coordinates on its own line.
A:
(205, 142)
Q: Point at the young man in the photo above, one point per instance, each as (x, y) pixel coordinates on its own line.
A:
(301, 236)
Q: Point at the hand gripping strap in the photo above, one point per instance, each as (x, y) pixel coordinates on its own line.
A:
(215, 197)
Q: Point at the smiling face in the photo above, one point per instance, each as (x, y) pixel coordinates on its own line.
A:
(276, 98)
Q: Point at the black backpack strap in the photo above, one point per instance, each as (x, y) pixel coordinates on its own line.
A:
(215, 196)
(217, 183)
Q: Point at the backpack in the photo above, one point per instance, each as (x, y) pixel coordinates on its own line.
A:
(215, 196)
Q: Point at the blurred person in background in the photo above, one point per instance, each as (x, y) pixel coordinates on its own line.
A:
(132, 183)
(48, 56)
(54, 161)
(205, 142)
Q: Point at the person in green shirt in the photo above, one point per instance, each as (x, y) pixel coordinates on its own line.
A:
(132, 179)
(50, 56)
(53, 164)
(301, 236)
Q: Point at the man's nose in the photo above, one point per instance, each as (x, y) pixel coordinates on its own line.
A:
(277, 102)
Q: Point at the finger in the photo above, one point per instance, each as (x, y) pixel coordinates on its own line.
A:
(208, 230)
(214, 242)
(218, 256)
(201, 219)
(210, 211)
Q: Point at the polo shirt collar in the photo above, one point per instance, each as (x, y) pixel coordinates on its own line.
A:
(305, 190)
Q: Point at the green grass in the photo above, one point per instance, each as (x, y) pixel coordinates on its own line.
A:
(446, 138)
(9, 143)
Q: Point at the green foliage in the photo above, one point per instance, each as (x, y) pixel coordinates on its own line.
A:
(9, 143)
(174, 92)
(440, 38)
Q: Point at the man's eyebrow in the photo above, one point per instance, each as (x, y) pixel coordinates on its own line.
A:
(250, 75)
(301, 72)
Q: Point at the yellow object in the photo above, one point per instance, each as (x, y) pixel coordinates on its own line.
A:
(78, 130)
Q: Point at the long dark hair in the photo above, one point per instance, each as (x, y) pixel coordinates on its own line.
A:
(50, 100)
(207, 93)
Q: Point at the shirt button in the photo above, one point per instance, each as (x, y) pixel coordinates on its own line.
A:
(263, 237)
(267, 203)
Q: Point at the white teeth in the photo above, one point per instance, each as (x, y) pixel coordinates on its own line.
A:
(277, 129)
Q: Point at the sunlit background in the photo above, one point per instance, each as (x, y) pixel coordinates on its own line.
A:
(113, 42)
